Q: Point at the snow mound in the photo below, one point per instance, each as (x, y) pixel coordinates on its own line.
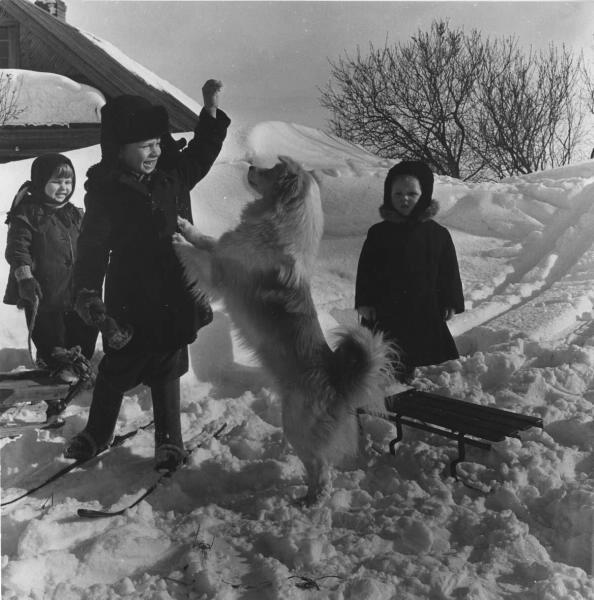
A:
(50, 99)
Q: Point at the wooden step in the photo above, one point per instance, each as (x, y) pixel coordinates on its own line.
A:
(34, 385)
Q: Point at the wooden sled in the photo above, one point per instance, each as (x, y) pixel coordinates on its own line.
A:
(31, 386)
(467, 423)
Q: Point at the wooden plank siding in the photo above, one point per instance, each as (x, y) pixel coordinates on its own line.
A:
(37, 55)
(10, 27)
(48, 44)
(24, 142)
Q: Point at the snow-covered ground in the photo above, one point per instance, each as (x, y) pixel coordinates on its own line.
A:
(396, 527)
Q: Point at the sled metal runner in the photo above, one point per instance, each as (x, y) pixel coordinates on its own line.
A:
(467, 423)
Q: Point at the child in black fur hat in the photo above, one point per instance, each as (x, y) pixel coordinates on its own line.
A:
(408, 282)
(43, 229)
(134, 197)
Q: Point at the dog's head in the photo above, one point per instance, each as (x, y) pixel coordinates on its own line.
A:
(285, 180)
(288, 212)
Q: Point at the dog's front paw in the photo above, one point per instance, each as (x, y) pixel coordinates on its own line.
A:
(191, 234)
(185, 227)
(178, 238)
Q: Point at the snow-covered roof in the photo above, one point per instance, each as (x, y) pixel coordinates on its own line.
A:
(96, 62)
(50, 99)
(145, 74)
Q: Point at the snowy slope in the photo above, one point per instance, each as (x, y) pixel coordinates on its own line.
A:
(395, 527)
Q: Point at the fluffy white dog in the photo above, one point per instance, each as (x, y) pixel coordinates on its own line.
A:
(261, 270)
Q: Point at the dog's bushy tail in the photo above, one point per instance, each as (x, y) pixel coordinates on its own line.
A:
(363, 367)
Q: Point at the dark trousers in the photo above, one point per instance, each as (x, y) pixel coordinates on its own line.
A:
(60, 328)
(119, 373)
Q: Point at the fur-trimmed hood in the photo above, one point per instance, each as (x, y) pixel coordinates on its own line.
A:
(423, 174)
(32, 192)
(393, 216)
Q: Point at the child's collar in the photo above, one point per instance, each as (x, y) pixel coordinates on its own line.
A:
(393, 216)
(55, 205)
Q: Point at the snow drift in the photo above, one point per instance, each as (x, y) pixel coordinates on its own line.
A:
(396, 527)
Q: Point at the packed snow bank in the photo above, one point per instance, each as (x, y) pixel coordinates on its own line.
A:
(50, 99)
(395, 527)
(317, 150)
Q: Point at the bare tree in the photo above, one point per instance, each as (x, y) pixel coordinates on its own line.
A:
(411, 100)
(589, 95)
(532, 108)
(9, 94)
(470, 107)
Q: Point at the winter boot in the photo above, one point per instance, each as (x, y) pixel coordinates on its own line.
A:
(103, 416)
(169, 457)
(82, 447)
(169, 446)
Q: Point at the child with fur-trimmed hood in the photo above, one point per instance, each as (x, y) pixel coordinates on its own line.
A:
(408, 282)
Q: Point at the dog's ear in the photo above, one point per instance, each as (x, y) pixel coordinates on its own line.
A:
(291, 181)
(291, 164)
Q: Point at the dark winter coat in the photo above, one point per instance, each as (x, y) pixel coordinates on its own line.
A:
(408, 271)
(43, 237)
(126, 239)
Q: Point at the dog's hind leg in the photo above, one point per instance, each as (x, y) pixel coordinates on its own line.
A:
(319, 485)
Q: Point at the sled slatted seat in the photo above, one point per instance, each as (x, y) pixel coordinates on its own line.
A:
(467, 423)
(32, 385)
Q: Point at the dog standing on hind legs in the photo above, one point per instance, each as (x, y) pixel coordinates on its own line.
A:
(261, 270)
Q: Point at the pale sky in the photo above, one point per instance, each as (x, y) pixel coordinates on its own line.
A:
(273, 56)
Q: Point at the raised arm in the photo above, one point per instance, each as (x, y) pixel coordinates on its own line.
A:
(200, 154)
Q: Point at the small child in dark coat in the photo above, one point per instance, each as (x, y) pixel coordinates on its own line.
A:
(408, 282)
(43, 229)
(127, 268)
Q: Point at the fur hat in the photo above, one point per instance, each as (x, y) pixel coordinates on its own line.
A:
(423, 173)
(126, 119)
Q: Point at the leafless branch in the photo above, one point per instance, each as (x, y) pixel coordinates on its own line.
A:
(470, 107)
(9, 94)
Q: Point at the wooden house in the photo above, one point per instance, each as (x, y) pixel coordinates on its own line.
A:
(36, 37)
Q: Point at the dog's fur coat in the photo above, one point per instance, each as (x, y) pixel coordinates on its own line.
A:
(261, 269)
